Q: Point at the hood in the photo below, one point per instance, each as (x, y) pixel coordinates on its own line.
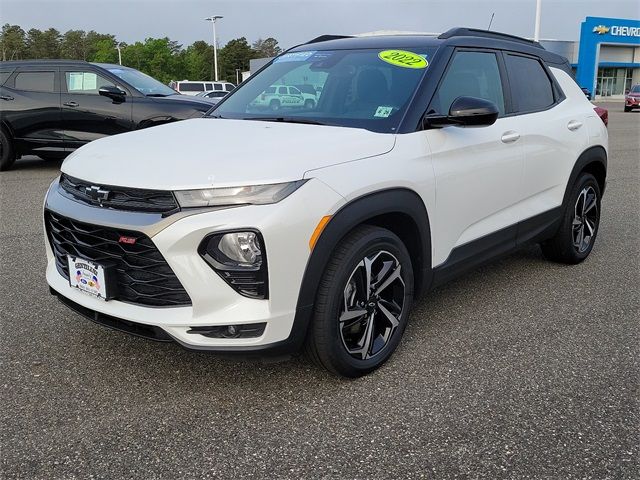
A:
(209, 152)
(185, 99)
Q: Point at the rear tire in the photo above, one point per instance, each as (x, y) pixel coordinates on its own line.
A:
(359, 317)
(7, 152)
(580, 221)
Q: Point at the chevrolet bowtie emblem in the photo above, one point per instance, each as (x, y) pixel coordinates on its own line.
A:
(600, 29)
(96, 193)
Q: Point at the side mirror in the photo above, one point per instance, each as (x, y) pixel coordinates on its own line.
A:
(626, 92)
(466, 112)
(112, 92)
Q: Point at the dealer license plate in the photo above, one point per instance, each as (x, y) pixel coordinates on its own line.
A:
(87, 276)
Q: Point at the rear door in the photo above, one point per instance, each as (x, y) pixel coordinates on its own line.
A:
(31, 106)
(87, 115)
(552, 131)
(478, 171)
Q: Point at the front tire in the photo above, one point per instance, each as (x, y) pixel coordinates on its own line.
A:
(577, 233)
(7, 152)
(274, 105)
(627, 109)
(363, 302)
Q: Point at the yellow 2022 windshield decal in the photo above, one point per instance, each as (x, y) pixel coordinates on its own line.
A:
(402, 58)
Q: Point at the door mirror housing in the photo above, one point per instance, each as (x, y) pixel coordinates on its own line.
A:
(466, 112)
(112, 92)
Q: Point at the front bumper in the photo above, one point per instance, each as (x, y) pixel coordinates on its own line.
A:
(286, 228)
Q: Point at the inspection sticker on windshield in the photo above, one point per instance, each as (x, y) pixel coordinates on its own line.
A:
(383, 112)
(294, 57)
(402, 58)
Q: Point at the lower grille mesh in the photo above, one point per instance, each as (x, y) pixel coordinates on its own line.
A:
(142, 274)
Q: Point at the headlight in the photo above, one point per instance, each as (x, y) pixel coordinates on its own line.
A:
(250, 195)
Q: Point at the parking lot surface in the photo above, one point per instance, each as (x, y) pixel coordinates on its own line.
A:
(521, 369)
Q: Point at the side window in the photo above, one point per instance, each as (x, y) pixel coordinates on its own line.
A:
(209, 86)
(4, 75)
(531, 87)
(282, 90)
(294, 91)
(470, 74)
(191, 87)
(217, 86)
(85, 82)
(228, 87)
(36, 81)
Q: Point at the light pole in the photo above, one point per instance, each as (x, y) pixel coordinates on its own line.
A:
(536, 31)
(213, 19)
(118, 46)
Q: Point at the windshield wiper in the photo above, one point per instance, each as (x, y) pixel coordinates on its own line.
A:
(157, 95)
(286, 120)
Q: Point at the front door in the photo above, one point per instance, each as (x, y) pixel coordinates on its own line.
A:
(87, 115)
(478, 171)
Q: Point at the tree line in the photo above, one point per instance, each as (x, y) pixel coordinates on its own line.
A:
(162, 58)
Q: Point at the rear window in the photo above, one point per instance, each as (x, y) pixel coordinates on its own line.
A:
(530, 85)
(35, 81)
(191, 87)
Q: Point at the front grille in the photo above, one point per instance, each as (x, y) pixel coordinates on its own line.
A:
(121, 198)
(142, 275)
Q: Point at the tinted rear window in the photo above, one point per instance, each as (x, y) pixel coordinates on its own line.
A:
(531, 87)
(191, 87)
(35, 81)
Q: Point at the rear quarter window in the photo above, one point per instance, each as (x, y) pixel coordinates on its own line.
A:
(4, 75)
(531, 87)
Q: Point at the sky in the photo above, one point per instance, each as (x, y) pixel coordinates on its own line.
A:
(295, 21)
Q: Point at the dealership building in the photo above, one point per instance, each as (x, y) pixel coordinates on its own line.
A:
(606, 58)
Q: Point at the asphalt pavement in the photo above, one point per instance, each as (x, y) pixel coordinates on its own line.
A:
(520, 369)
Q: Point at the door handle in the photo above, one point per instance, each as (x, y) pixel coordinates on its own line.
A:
(510, 136)
(574, 125)
(71, 104)
(6, 97)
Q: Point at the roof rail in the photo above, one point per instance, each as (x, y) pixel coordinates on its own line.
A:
(476, 32)
(326, 38)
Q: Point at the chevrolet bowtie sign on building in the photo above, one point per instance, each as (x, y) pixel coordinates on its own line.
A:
(606, 59)
(617, 31)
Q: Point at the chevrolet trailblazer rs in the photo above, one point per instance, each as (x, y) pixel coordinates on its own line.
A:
(315, 225)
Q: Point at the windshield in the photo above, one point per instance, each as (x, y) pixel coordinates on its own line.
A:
(367, 88)
(635, 89)
(143, 83)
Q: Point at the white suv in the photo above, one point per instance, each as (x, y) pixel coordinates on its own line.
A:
(251, 232)
(276, 97)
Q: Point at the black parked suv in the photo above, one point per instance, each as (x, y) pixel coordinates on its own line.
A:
(51, 107)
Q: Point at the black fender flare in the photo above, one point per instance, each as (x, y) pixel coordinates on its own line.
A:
(401, 201)
(593, 159)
